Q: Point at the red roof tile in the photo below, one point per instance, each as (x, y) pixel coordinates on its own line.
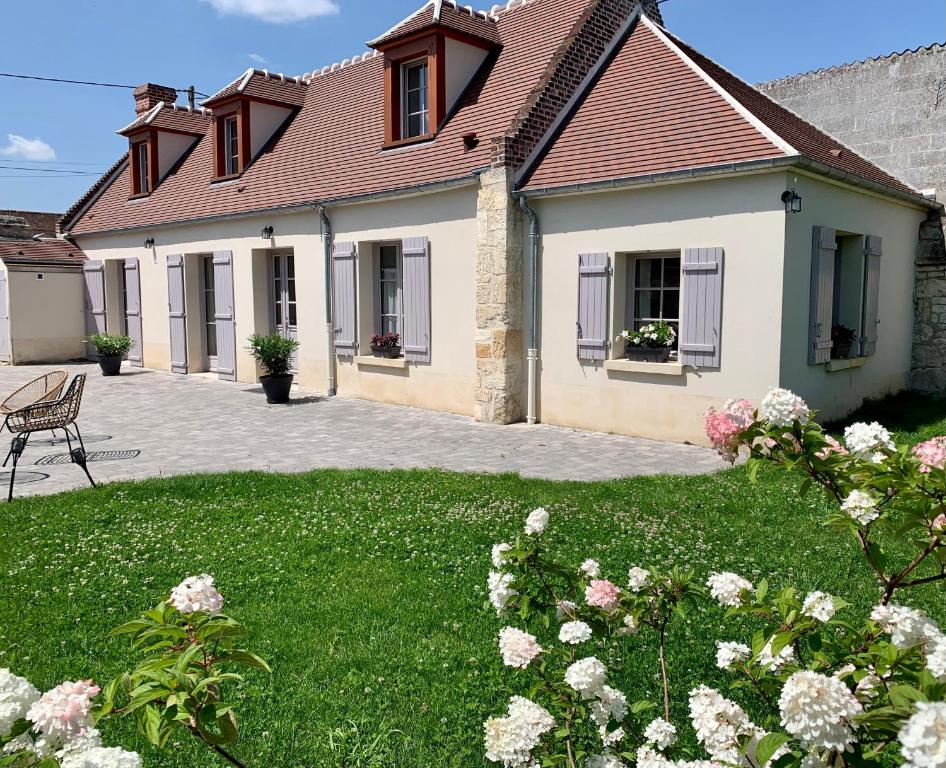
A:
(46, 252)
(260, 84)
(466, 21)
(172, 118)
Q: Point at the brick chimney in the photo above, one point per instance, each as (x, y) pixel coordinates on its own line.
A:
(15, 227)
(652, 9)
(148, 96)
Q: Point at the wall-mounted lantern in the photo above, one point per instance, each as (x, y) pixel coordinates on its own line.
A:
(267, 233)
(792, 201)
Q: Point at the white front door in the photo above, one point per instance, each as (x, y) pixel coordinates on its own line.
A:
(209, 296)
(283, 297)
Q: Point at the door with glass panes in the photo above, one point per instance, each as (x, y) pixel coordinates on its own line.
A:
(209, 295)
(282, 271)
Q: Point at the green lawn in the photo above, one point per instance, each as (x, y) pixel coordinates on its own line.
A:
(365, 590)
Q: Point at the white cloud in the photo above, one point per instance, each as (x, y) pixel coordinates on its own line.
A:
(27, 149)
(256, 58)
(276, 11)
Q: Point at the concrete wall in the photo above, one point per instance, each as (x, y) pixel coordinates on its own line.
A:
(837, 393)
(47, 316)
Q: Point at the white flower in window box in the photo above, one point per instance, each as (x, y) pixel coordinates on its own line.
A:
(653, 343)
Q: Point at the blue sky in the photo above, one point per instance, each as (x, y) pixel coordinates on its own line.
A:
(49, 129)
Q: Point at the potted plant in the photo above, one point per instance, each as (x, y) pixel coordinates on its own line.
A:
(651, 344)
(386, 345)
(274, 354)
(111, 349)
(842, 340)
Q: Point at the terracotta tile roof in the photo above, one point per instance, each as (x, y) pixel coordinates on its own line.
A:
(172, 118)
(261, 84)
(45, 252)
(332, 148)
(479, 24)
(653, 112)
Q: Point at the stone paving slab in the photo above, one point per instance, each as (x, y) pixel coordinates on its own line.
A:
(151, 423)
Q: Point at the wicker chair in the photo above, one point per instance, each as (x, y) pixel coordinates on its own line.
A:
(42, 390)
(45, 416)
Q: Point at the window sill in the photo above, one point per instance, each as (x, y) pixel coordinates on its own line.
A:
(414, 140)
(222, 179)
(845, 365)
(632, 366)
(371, 361)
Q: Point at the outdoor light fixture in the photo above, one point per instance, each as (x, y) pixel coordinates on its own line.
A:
(792, 201)
(149, 243)
(267, 233)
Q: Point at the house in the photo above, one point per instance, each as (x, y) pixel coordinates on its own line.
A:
(507, 190)
(37, 272)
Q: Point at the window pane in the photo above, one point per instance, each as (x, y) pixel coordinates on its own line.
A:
(671, 308)
(417, 76)
(647, 305)
(648, 273)
(291, 286)
(415, 126)
(389, 257)
(414, 102)
(279, 317)
(291, 266)
(672, 273)
(388, 325)
(389, 297)
(293, 319)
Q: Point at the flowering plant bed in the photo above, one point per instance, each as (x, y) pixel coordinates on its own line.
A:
(386, 345)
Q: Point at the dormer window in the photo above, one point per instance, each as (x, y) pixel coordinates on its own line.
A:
(141, 150)
(231, 140)
(143, 158)
(416, 99)
(231, 144)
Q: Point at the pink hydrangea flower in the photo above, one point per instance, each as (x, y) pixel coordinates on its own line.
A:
(724, 427)
(931, 454)
(833, 446)
(64, 713)
(603, 594)
(939, 524)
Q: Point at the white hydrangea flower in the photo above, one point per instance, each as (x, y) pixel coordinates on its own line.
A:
(719, 724)
(197, 594)
(638, 578)
(923, 736)
(660, 734)
(500, 590)
(574, 632)
(819, 606)
(518, 648)
(867, 439)
(727, 588)
(868, 688)
(101, 757)
(936, 657)
(729, 654)
(586, 676)
(499, 551)
(566, 609)
(817, 710)
(611, 739)
(861, 507)
(813, 760)
(17, 695)
(605, 761)
(648, 757)
(782, 408)
(610, 705)
(771, 663)
(64, 713)
(591, 568)
(511, 739)
(537, 522)
(907, 627)
(631, 626)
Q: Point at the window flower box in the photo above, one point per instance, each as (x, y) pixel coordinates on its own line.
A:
(842, 339)
(653, 343)
(386, 345)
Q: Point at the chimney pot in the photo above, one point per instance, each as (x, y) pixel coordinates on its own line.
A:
(149, 95)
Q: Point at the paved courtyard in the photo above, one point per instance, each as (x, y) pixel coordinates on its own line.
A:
(150, 423)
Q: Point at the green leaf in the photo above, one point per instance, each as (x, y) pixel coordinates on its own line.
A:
(905, 695)
(132, 627)
(768, 745)
(246, 658)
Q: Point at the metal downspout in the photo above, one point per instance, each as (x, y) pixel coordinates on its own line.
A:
(329, 315)
(532, 354)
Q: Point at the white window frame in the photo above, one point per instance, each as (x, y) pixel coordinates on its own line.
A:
(144, 176)
(406, 91)
(632, 289)
(231, 145)
(379, 294)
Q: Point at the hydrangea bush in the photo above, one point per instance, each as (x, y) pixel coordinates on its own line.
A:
(827, 687)
(189, 649)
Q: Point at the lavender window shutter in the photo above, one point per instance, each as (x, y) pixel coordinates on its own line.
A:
(594, 282)
(4, 319)
(415, 341)
(177, 315)
(821, 312)
(133, 311)
(701, 320)
(873, 250)
(224, 315)
(344, 288)
(93, 273)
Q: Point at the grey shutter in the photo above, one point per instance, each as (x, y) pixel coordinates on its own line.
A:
(93, 273)
(4, 319)
(415, 279)
(594, 279)
(224, 315)
(133, 312)
(701, 320)
(176, 314)
(873, 250)
(344, 297)
(824, 247)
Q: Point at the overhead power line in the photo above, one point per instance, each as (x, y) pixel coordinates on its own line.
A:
(48, 170)
(86, 82)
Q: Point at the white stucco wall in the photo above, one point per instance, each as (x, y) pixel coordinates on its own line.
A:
(47, 317)
(170, 148)
(462, 62)
(265, 119)
(836, 394)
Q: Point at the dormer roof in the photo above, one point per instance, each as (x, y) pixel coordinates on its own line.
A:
(448, 16)
(262, 85)
(171, 118)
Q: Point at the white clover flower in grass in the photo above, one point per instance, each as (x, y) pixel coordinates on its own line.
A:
(586, 676)
(819, 606)
(500, 590)
(574, 632)
(861, 507)
(771, 663)
(637, 578)
(17, 695)
(782, 408)
(197, 594)
(907, 627)
(498, 553)
(923, 736)
(610, 705)
(719, 724)
(648, 757)
(591, 568)
(537, 522)
(866, 439)
(518, 648)
(63, 714)
(727, 588)
(101, 757)
(729, 654)
(660, 734)
(817, 710)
